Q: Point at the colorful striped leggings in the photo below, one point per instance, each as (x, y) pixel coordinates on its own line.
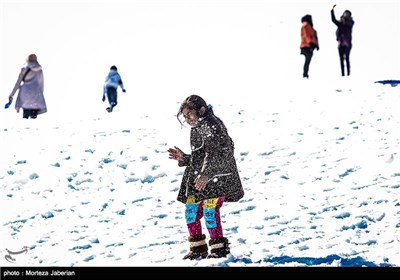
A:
(209, 208)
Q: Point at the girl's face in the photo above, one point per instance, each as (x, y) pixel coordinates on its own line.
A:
(190, 116)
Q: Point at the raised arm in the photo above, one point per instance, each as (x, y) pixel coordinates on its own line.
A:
(334, 20)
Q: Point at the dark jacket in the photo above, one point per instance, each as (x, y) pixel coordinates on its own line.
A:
(213, 156)
(344, 29)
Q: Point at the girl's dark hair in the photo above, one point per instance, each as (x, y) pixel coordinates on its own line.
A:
(194, 102)
(307, 18)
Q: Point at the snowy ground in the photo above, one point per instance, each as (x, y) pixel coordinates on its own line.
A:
(318, 158)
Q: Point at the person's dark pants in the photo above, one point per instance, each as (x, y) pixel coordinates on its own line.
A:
(112, 97)
(30, 113)
(308, 53)
(344, 54)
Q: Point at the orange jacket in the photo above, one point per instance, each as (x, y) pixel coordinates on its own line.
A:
(308, 36)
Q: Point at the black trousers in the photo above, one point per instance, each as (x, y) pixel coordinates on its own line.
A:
(112, 96)
(344, 55)
(30, 113)
(308, 53)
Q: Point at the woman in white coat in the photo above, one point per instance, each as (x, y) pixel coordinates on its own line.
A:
(30, 84)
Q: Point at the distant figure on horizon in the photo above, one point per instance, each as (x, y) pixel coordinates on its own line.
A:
(113, 81)
(309, 42)
(343, 36)
(211, 177)
(30, 84)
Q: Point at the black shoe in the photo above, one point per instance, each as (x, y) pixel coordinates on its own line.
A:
(109, 109)
(195, 256)
(26, 113)
(220, 254)
(34, 114)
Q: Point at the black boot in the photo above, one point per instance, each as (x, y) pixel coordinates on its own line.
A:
(26, 113)
(198, 247)
(219, 247)
(34, 114)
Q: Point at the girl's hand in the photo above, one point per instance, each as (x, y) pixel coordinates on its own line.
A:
(200, 182)
(175, 153)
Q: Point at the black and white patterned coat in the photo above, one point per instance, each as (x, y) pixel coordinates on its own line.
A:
(212, 156)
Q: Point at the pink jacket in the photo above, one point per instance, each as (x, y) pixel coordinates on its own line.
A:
(30, 95)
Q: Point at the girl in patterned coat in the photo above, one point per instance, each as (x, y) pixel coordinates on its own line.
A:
(211, 177)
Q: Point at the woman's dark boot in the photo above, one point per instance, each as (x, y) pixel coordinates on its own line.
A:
(26, 113)
(198, 247)
(219, 247)
(34, 114)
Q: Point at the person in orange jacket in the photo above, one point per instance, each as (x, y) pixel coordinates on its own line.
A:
(309, 42)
